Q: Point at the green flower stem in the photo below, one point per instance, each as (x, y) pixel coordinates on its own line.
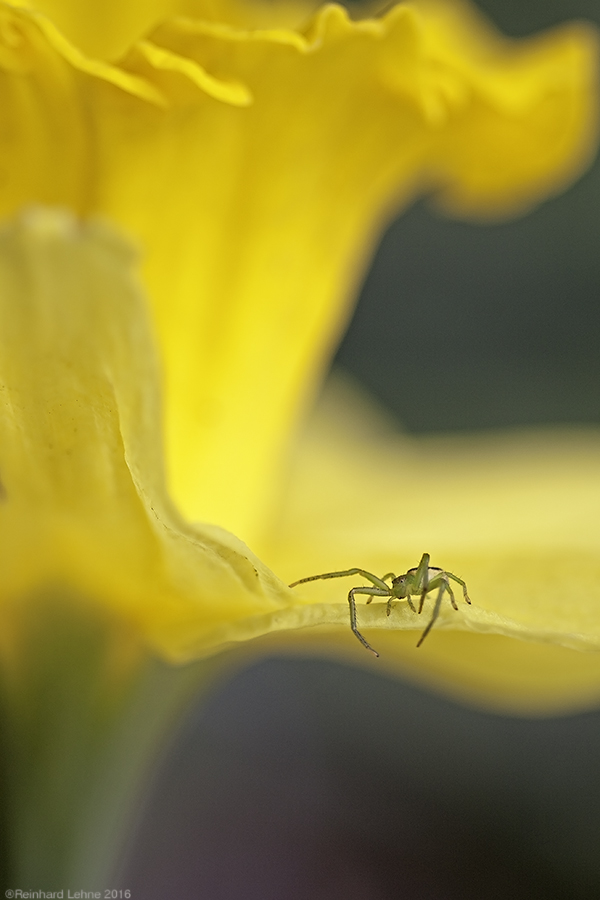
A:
(85, 720)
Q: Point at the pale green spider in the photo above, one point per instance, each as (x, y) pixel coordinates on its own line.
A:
(419, 581)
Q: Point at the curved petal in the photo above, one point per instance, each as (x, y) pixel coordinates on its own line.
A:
(106, 30)
(83, 506)
(286, 206)
(256, 168)
(513, 515)
(109, 29)
(492, 164)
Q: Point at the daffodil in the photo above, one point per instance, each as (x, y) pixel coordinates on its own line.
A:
(248, 157)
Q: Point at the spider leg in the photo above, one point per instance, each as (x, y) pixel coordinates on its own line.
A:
(378, 582)
(372, 593)
(386, 577)
(451, 592)
(464, 586)
(436, 612)
(421, 574)
(408, 599)
(421, 579)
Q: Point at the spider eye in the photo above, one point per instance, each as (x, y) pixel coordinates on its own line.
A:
(399, 581)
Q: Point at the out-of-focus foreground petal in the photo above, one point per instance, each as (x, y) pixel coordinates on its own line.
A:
(257, 167)
(83, 509)
(515, 515)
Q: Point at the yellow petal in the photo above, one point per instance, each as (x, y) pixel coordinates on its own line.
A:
(514, 515)
(256, 168)
(493, 164)
(282, 205)
(83, 507)
(107, 30)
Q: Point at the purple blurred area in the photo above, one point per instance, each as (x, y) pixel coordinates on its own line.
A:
(306, 779)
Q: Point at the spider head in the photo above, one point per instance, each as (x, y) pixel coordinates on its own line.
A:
(399, 587)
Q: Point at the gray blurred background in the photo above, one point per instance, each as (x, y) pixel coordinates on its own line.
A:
(509, 313)
(306, 779)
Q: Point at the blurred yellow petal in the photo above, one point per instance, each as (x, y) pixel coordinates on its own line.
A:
(109, 29)
(256, 168)
(514, 515)
(83, 502)
(106, 30)
(492, 164)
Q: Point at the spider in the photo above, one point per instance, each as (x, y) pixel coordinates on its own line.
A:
(419, 581)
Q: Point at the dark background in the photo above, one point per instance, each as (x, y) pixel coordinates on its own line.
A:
(464, 326)
(306, 779)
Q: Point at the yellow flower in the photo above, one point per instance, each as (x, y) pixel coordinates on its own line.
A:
(254, 167)
(252, 156)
